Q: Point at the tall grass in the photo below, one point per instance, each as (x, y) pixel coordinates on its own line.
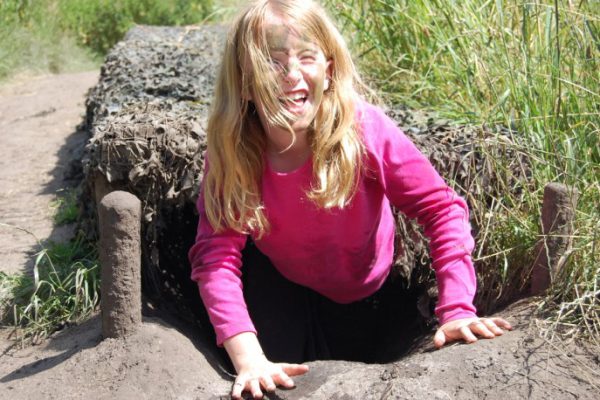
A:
(529, 65)
(63, 289)
(64, 286)
(99, 24)
(32, 42)
(41, 36)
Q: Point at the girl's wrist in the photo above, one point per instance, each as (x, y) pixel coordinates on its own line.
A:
(243, 349)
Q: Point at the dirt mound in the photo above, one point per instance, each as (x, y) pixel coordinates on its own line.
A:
(160, 362)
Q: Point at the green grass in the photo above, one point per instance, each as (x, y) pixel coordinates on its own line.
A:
(99, 24)
(66, 207)
(54, 36)
(64, 286)
(63, 289)
(41, 50)
(530, 65)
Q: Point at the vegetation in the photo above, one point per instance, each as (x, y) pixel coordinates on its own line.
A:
(529, 65)
(66, 207)
(59, 36)
(54, 36)
(63, 289)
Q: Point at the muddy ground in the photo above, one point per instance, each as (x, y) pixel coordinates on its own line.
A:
(165, 360)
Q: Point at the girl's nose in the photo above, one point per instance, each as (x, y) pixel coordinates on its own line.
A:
(292, 73)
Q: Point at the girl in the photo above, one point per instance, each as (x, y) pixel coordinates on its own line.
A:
(300, 174)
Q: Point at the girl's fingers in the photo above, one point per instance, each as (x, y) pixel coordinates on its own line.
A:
(294, 369)
(282, 379)
(492, 326)
(238, 387)
(481, 329)
(255, 389)
(467, 334)
(267, 382)
(469, 328)
(439, 339)
(501, 322)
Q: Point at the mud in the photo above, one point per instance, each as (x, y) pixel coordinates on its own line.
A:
(119, 216)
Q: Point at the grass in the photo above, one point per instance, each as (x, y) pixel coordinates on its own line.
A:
(529, 65)
(63, 289)
(66, 207)
(55, 36)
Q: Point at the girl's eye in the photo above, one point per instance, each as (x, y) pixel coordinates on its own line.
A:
(276, 64)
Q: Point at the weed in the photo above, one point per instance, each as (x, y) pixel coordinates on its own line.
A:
(66, 208)
(63, 289)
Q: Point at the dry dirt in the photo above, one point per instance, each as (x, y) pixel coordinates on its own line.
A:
(38, 120)
(37, 139)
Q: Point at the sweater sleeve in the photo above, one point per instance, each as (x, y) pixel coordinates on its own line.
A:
(215, 260)
(413, 185)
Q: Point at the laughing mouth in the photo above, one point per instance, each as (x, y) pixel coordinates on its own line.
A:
(296, 99)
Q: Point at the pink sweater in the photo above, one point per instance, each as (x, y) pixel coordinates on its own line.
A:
(344, 254)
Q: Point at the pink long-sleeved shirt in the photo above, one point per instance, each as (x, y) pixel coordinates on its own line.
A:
(344, 254)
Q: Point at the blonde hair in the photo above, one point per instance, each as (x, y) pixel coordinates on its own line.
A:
(236, 140)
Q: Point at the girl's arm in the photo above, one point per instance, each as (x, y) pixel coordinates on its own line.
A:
(413, 185)
(216, 261)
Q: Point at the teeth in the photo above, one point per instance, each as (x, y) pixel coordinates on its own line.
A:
(294, 97)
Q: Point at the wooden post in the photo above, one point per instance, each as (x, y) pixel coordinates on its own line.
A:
(558, 212)
(119, 215)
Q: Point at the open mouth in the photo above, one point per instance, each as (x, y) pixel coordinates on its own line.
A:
(294, 101)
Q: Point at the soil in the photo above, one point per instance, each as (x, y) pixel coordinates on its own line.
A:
(38, 138)
(165, 360)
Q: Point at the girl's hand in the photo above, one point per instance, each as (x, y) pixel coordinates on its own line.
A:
(258, 372)
(254, 370)
(468, 329)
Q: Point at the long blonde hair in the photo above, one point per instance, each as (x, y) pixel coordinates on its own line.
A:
(236, 140)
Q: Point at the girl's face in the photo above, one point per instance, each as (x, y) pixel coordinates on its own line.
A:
(303, 73)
